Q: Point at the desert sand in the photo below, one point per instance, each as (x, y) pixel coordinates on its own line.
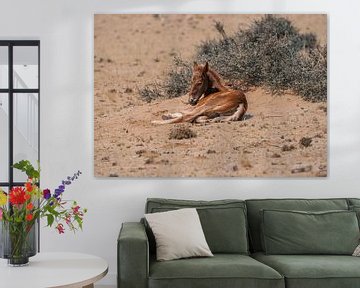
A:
(283, 135)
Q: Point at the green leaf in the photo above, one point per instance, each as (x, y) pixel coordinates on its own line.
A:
(50, 219)
(52, 211)
(26, 167)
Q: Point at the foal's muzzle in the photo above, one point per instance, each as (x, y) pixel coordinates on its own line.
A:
(192, 101)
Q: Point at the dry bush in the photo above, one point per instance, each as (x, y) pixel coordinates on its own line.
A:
(181, 132)
(271, 53)
(178, 80)
(151, 92)
(176, 83)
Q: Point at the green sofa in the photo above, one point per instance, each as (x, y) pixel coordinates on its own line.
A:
(234, 232)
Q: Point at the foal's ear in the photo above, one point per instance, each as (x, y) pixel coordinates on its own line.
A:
(206, 67)
(195, 64)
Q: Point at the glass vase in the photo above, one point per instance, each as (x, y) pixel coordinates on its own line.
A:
(18, 242)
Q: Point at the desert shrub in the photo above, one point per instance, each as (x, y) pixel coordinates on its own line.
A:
(311, 85)
(271, 53)
(181, 132)
(151, 92)
(176, 83)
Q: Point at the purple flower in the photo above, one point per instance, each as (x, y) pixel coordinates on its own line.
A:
(46, 194)
(57, 193)
(64, 183)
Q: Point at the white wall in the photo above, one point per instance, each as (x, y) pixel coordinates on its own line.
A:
(65, 28)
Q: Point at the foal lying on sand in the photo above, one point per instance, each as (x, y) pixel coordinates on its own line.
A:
(212, 100)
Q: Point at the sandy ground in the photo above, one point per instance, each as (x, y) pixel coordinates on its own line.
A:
(134, 50)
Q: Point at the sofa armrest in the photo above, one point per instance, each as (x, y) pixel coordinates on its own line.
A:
(133, 256)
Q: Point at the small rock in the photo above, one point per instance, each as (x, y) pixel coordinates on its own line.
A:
(305, 142)
(275, 155)
(287, 148)
(140, 152)
(301, 169)
(128, 90)
(141, 74)
(149, 161)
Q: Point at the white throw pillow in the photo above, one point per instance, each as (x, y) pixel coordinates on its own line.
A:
(357, 251)
(178, 234)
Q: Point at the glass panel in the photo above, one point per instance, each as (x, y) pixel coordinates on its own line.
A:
(26, 130)
(4, 67)
(5, 189)
(26, 67)
(4, 137)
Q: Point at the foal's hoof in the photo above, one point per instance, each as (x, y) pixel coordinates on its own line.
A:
(166, 117)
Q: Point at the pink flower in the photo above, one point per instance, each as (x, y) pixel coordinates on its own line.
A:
(68, 219)
(60, 228)
(1, 213)
(76, 210)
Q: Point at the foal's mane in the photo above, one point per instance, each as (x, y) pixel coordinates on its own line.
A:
(216, 80)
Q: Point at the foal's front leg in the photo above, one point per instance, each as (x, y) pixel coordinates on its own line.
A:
(202, 119)
(171, 116)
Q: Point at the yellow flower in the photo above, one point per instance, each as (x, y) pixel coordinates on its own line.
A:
(3, 198)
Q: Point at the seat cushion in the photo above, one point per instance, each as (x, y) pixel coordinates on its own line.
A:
(315, 271)
(222, 270)
(255, 206)
(223, 221)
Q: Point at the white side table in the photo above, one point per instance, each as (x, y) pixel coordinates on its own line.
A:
(50, 270)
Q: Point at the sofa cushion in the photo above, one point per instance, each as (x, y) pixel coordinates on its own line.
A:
(254, 216)
(313, 271)
(222, 270)
(223, 221)
(178, 234)
(356, 209)
(297, 232)
(353, 201)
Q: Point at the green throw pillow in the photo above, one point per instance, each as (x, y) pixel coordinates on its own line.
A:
(356, 209)
(224, 222)
(225, 229)
(299, 232)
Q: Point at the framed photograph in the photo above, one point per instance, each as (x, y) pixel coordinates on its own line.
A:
(210, 95)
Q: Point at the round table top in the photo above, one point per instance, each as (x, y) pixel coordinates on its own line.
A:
(68, 270)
